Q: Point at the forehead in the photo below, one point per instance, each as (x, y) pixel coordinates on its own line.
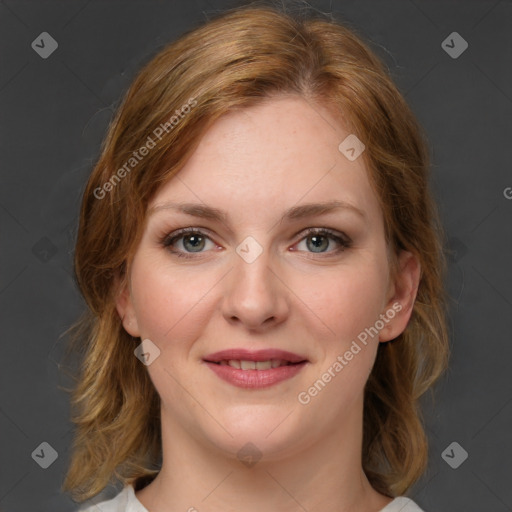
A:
(273, 137)
(279, 153)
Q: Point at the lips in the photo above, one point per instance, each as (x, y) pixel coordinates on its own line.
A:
(255, 369)
(256, 356)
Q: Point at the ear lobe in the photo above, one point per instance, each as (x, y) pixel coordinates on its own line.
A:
(125, 309)
(405, 288)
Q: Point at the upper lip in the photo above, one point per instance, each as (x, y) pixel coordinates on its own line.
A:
(240, 354)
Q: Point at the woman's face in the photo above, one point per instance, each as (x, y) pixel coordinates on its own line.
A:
(261, 324)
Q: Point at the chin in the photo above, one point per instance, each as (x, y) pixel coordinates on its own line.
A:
(257, 431)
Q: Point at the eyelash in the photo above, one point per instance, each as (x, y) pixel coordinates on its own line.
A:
(168, 240)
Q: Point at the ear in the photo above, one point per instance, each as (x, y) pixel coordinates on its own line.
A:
(125, 308)
(401, 296)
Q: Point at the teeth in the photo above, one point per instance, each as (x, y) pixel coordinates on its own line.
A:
(255, 365)
(263, 365)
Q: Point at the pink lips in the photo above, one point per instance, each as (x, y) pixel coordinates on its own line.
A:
(290, 365)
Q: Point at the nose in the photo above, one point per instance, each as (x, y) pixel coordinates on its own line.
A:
(255, 295)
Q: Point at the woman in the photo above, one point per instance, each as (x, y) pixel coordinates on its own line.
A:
(262, 261)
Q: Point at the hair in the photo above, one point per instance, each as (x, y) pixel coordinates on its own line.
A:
(236, 60)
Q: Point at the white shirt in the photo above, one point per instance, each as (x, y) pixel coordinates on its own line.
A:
(126, 501)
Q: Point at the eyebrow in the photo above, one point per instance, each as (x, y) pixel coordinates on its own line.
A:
(294, 213)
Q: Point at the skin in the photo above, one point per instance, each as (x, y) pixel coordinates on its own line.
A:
(255, 164)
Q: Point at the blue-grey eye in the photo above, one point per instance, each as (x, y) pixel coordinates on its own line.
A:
(193, 243)
(319, 243)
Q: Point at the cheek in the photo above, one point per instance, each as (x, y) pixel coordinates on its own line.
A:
(347, 300)
(349, 303)
(169, 303)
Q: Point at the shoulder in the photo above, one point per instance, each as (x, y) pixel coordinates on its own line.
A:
(402, 504)
(125, 501)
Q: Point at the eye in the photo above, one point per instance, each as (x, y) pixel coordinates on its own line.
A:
(318, 240)
(191, 240)
(187, 241)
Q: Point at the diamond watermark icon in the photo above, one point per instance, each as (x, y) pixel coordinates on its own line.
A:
(456, 249)
(44, 45)
(351, 147)
(45, 455)
(454, 455)
(249, 250)
(44, 249)
(454, 45)
(249, 455)
(147, 352)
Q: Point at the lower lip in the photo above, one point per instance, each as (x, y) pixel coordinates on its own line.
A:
(255, 379)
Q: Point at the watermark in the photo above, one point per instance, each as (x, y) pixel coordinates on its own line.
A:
(146, 352)
(249, 249)
(45, 455)
(44, 44)
(454, 45)
(454, 455)
(249, 454)
(351, 147)
(139, 154)
(304, 397)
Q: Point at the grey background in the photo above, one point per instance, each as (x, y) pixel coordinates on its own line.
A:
(54, 113)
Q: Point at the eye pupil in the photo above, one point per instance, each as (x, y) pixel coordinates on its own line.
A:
(317, 241)
(197, 242)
